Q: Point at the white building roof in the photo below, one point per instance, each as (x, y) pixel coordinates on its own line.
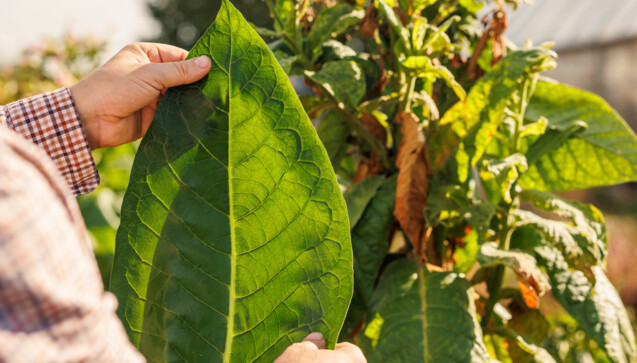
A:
(574, 23)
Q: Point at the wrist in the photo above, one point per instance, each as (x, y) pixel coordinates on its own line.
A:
(84, 109)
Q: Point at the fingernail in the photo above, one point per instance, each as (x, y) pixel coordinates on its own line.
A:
(316, 336)
(202, 61)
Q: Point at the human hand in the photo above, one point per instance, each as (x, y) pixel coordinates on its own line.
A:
(117, 102)
(312, 350)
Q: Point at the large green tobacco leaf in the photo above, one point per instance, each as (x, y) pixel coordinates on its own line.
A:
(594, 304)
(476, 119)
(604, 153)
(234, 240)
(422, 316)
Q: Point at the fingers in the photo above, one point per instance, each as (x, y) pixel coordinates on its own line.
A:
(351, 351)
(165, 75)
(160, 53)
(317, 339)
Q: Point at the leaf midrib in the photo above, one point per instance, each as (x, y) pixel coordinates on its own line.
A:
(423, 311)
(233, 253)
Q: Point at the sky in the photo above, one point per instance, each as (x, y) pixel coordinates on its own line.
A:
(26, 22)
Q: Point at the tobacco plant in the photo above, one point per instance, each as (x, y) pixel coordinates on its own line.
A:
(448, 143)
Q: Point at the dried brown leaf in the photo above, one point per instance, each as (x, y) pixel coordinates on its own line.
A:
(411, 191)
(374, 127)
(369, 24)
(529, 291)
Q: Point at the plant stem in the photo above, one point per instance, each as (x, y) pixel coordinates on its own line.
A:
(494, 293)
(274, 13)
(362, 132)
(405, 105)
(367, 136)
(519, 119)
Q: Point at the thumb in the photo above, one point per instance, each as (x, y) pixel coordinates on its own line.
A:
(172, 74)
(317, 339)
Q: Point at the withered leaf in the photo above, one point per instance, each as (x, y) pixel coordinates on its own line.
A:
(528, 289)
(374, 127)
(411, 191)
(369, 24)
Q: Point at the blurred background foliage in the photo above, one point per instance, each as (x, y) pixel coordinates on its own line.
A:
(55, 63)
(183, 22)
(59, 63)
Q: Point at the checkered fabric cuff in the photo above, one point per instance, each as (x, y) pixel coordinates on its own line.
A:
(51, 121)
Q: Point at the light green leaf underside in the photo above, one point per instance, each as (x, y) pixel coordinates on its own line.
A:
(603, 154)
(234, 240)
(595, 305)
(476, 119)
(422, 316)
(521, 262)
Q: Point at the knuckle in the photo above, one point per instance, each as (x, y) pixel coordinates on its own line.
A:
(182, 70)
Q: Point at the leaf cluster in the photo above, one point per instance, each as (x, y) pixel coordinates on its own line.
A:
(450, 144)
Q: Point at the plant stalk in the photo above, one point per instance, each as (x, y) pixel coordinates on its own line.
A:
(367, 136)
(494, 294)
(519, 120)
(406, 102)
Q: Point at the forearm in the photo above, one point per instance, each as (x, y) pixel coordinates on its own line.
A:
(52, 303)
(50, 121)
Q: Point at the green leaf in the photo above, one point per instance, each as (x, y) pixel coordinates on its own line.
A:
(525, 348)
(285, 61)
(465, 256)
(535, 128)
(603, 154)
(550, 139)
(422, 316)
(370, 237)
(449, 205)
(283, 9)
(358, 197)
(586, 231)
(439, 41)
(419, 5)
(370, 241)
(331, 22)
(395, 23)
(333, 131)
(234, 240)
(521, 262)
(343, 80)
(472, 6)
(477, 118)
(503, 174)
(335, 50)
(421, 66)
(595, 305)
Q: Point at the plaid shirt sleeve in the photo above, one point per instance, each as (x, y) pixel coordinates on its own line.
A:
(51, 121)
(53, 307)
